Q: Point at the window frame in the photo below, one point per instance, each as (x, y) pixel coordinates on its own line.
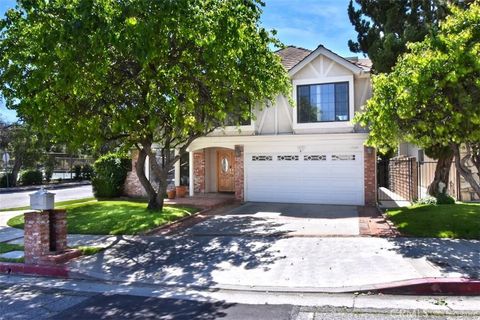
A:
(346, 124)
(335, 106)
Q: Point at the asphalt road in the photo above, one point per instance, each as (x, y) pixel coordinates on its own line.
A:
(21, 199)
(31, 302)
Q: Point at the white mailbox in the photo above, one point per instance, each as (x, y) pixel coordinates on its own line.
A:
(42, 200)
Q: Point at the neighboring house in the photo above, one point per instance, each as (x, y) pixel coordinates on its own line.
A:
(308, 153)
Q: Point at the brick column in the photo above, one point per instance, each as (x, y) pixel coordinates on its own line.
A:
(36, 236)
(239, 173)
(370, 176)
(199, 171)
(58, 230)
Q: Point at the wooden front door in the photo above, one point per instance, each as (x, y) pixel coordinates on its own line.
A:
(225, 170)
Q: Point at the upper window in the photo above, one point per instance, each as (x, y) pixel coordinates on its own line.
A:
(322, 102)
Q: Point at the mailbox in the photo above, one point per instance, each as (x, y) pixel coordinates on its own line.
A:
(42, 200)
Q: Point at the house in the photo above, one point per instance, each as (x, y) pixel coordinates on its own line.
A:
(308, 153)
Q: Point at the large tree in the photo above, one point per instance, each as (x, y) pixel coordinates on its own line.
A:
(138, 72)
(384, 28)
(432, 97)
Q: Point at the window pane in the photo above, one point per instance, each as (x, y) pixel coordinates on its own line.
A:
(322, 102)
(341, 101)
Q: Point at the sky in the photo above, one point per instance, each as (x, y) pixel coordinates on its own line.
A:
(302, 23)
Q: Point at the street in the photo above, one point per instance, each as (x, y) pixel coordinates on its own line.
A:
(21, 199)
(25, 301)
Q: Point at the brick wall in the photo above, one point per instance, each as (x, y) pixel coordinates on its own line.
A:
(58, 230)
(403, 177)
(132, 186)
(199, 171)
(36, 236)
(239, 173)
(370, 176)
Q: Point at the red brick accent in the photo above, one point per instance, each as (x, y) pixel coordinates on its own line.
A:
(370, 176)
(58, 230)
(132, 186)
(199, 171)
(37, 236)
(45, 233)
(239, 173)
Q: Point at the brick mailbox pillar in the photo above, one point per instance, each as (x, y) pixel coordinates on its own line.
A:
(45, 235)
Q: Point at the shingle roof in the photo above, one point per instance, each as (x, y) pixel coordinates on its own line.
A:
(291, 56)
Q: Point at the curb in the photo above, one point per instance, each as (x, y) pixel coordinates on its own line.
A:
(38, 270)
(46, 186)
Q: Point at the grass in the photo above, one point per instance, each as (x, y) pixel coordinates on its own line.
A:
(7, 247)
(90, 250)
(114, 217)
(455, 221)
(57, 204)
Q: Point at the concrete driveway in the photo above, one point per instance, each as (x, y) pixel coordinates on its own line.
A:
(281, 219)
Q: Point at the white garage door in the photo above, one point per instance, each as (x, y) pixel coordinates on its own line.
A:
(321, 177)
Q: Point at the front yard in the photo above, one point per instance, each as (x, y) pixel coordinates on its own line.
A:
(114, 217)
(456, 221)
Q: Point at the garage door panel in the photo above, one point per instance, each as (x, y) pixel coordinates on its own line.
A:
(326, 178)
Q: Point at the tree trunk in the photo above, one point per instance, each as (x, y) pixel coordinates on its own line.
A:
(439, 184)
(17, 165)
(461, 165)
(153, 203)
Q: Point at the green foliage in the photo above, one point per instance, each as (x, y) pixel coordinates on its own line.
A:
(6, 180)
(431, 97)
(77, 171)
(114, 217)
(87, 172)
(110, 172)
(444, 198)
(31, 177)
(137, 72)
(385, 27)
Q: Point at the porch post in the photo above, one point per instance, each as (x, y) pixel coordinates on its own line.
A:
(190, 174)
(177, 170)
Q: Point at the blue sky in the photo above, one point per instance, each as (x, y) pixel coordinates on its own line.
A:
(303, 23)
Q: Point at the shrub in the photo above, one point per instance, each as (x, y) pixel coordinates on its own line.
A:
(77, 169)
(110, 172)
(87, 172)
(444, 198)
(3, 180)
(427, 200)
(31, 177)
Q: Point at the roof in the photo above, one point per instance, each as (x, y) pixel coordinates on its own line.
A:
(292, 56)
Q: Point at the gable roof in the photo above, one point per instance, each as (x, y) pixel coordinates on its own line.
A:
(294, 58)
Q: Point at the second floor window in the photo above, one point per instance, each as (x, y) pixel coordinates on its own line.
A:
(323, 102)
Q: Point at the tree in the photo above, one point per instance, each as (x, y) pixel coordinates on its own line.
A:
(138, 72)
(25, 147)
(432, 96)
(384, 29)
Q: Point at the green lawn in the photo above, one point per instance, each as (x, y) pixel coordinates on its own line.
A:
(57, 204)
(457, 221)
(114, 217)
(6, 247)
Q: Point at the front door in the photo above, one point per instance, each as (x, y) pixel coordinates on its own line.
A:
(225, 170)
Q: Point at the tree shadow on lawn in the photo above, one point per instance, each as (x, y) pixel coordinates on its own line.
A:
(457, 256)
(184, 260)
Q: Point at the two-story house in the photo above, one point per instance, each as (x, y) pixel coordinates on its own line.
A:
(307, 153)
